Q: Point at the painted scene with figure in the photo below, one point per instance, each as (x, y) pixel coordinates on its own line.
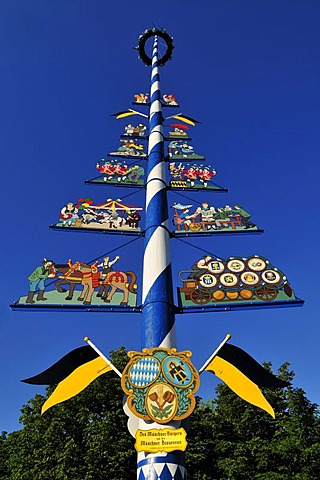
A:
(80, 283)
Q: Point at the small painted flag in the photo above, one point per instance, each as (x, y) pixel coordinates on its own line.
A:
(125, 113)
(184, 118)
(244, 376)
(178, 125)
(73, 373)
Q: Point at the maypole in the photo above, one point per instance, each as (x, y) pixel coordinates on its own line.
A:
(159, 382)
(157, 296)
(158, 320)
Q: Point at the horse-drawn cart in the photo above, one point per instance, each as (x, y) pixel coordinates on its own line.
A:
(253, 279)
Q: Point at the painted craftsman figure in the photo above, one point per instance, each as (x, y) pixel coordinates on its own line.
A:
(37, 280)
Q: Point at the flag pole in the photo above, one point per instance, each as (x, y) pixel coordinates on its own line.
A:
(228, 336)
(92, 345)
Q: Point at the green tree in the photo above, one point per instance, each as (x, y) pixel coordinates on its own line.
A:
(4, 456)
(84, 438)
(233, 440)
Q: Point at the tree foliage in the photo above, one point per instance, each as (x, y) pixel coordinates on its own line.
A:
(233, 440)
(86, 437)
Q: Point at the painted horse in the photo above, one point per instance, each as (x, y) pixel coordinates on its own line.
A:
(90, 277)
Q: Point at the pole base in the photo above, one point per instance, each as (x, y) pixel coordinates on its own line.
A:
(168, 467)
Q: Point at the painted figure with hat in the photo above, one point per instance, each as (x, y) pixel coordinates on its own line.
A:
(200, 265)
(135, 173)
(69, 214)
(106, 268)
(37, 280)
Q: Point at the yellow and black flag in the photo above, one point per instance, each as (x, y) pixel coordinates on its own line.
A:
(127, 113)
(244, 375)
(73, 373)
(185, 119)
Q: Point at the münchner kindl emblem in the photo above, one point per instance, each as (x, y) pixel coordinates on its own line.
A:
(160, 384)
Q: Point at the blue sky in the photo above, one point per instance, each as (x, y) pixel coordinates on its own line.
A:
(249, 71)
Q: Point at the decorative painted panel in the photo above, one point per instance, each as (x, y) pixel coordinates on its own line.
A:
(208, 219)
(217, 281)
(141, 98)
(179, 131)
(76, 283)
(139, 131)
(120, 173)
(111, 215)
(182, 150)
(186, 175)
(169, 100)
(130, 149)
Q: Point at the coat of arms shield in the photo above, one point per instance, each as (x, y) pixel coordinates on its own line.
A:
(160, 384)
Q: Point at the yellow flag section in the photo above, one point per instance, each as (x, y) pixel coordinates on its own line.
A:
(239, 383)
(184, 118)
(76, 381)
(127, 113)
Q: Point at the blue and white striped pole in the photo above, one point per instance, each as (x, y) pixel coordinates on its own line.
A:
(157, 292)
(158, 321)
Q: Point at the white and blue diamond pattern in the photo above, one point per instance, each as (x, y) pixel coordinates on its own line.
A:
(144, 371)
(161, 471)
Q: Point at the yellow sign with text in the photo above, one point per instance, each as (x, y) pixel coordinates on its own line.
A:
(161, 440)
